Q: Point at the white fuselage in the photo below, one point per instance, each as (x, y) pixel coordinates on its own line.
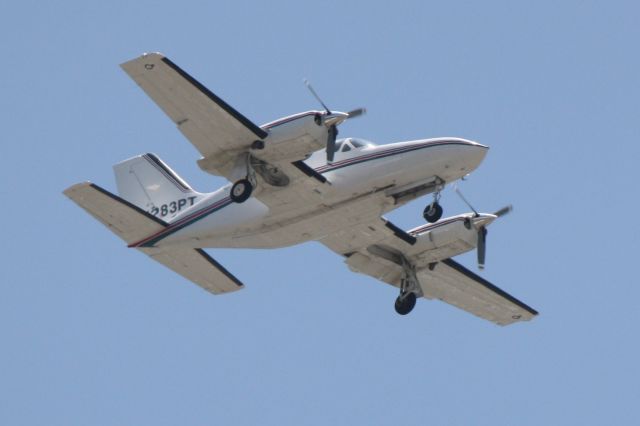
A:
(362, 181)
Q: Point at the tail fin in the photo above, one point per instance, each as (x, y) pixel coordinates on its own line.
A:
(147, 182)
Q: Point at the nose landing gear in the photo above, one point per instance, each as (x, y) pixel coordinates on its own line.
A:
(433, 212)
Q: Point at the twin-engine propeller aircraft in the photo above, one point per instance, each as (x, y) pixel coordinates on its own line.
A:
(294, 181)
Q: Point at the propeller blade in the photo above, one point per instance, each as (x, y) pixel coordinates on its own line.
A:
(315, 95)
(505, 210)
(465, 201)
(331, 143)
(482, 246)
(357, 112)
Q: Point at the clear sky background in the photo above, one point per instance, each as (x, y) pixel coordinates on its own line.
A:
(93, 333)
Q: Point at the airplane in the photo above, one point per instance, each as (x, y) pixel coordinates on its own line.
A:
(291, 181)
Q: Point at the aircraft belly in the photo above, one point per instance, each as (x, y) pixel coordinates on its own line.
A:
(287, 228)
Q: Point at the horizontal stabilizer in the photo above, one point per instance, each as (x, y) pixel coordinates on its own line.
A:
(124, 219)
(196, 266)
(132, 224)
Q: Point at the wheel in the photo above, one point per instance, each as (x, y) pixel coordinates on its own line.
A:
(241, 191)
(405, 303)
(432, 213)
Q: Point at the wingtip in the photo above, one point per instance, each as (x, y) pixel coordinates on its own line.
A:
(150, 57)
(73, 188)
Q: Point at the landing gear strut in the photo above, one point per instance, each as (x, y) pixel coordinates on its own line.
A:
(433, 212)
(409, 289)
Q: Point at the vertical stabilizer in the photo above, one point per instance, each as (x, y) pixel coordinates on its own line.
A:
(147, 182)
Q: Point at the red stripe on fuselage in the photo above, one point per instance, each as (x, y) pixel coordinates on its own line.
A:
(182, 222)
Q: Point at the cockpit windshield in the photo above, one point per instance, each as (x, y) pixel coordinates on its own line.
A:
(347, 144)
(359, 143)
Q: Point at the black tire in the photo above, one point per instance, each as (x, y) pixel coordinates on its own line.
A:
(432, 213)
(405, 303)
(241, 191)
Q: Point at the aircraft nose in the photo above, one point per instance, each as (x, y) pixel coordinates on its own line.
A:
(476, 152)
(470, 155)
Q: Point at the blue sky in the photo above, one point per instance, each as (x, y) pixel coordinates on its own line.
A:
(95, 333)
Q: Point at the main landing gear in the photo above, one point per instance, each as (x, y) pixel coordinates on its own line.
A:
(242, 189)
(409, 289)
(433, 212)
(405, 303)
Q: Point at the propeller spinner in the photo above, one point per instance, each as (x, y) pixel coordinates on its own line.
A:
(331, 120)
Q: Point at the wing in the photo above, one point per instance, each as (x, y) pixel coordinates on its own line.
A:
(223, 136)
(456, 285)
(369, 233)
(211, 125)
(131, 223)
(376, 248)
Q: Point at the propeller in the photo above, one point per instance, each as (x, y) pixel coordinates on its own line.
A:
(356, 112)
(315, 95)
(503, 211)
(482, 246)
(480, 222)
(331, 120)
(331, 142)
